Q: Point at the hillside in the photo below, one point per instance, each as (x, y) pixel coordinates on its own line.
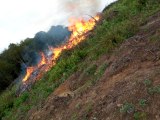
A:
(112, 75)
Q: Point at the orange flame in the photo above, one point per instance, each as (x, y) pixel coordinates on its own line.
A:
(43, 59)
(29, 72)
(79, 30)
(57, 52)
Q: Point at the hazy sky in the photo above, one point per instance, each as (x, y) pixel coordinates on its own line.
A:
(20, 19)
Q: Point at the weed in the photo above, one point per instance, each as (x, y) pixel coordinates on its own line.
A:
(127, 108)
(140, 116)
(91, 70)
(87, 110)
(100, 71)
(147, 82)
(141, 4)
(156, 36)
(154, 90)
(78, 106)
(74, 116)
(142, 102)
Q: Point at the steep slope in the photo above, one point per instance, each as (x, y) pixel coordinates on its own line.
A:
(128, 84)
(111, 75)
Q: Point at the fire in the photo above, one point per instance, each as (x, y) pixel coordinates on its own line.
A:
(43, 59)
(30, 70)
(79, 29)
(28, 73)
(57, 52)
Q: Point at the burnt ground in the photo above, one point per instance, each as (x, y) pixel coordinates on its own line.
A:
(128, 88)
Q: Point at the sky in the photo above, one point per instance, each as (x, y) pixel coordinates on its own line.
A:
(20, 19)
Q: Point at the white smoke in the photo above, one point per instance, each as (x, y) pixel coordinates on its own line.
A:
(79, 8)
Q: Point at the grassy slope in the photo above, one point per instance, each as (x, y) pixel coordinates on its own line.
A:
(114, 29)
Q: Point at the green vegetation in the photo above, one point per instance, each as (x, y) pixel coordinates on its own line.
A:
(98, 74)
(153, 90)
(94, 75)
(10, 65)
(91, 70)
(88, 109)
(130, 108)
(140, 116)
(21, 100)
(78, 106)
(156, 37)
(106, 36)
(74, 117)
(143, 102)
(127, 108)
(147, 82)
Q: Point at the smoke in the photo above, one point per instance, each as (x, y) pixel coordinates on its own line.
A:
(81, 7)
(42, 41)
(55, 36)
(78, 8)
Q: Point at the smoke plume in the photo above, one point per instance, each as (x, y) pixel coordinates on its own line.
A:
(79, 8)
(42, 41)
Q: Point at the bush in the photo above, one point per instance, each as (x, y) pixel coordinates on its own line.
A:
(154, 90)
(91, 70)
(140, 116)
(6, 102)
(127, 108)
(147, 82)
(143, 102)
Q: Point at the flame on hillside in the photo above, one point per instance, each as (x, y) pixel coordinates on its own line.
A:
(79, 28)
(28, 73)
(43, 59)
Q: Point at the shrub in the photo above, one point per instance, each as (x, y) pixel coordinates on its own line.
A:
(127, 108)
(99, 72)
(153, 90)
(143, 102)
(140, 116)
(6, 102)
(147, 82)
(91, 70)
